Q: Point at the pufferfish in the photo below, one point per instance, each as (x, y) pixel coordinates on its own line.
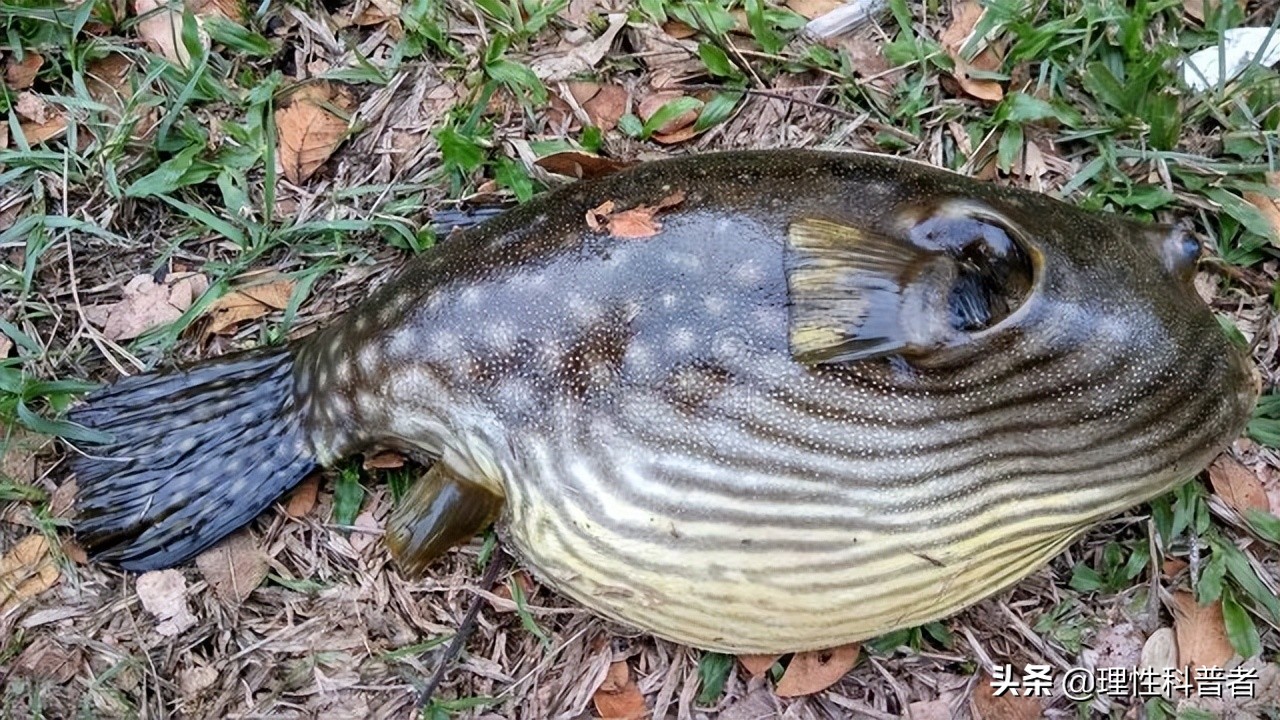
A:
(752, 402)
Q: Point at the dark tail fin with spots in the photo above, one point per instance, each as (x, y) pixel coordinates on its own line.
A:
(194, 455)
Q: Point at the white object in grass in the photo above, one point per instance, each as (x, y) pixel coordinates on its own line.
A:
(1206, 68)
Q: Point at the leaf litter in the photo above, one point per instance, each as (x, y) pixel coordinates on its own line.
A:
(309, 130)
(26, 570)
(147, 304)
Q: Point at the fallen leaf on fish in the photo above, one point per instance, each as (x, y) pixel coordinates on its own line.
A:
(1202, 633)
(160, 27)
(309, 131)
(234, 568)
(1006, 706)
(1237, 485)
(579, 165)
(384, 461)
(758, 665)
(1268, 205)
(638, 222)
(21, 74)
(606, 107)
(618, 698)
(810, 9)
(964, 16)
(816, 670)
(164, 594)
(303, 497)
(25, 571)
(248, 303)
(147, 304)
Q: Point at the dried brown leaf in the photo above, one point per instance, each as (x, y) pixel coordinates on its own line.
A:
(1160, 651)
(234, 567)
(384, 461)
(526, 584)
(583, 90)
(816, 670)
(655, 102)
(1269, 206)
(248, 303)
(160, 27)
(618, 698)
(367, 530)
(164, 594)
(17, 452)
(579, 164)
(810, 9)
(964, 16)
(678, 30)
(1007, 706)
(21, 74)
(1202, 634)
(758, 665)
(309, 132)
(606, 107)
(1195, 9)
(34, 108)
(45, 659)
(1237, 484)
(26, 570)
(303, 497)
(147, 304)
(929, 710)
(36, 133)
(233, 10)
(685, 133)
(1172, 566)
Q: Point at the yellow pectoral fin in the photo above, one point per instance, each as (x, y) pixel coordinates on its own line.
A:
(441, 510)
(847, 291)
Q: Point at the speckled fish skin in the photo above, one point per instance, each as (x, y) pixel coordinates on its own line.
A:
(668, 463)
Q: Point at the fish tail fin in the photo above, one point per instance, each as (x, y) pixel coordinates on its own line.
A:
(194, 455)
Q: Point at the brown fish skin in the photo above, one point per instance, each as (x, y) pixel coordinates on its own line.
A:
(669, 463)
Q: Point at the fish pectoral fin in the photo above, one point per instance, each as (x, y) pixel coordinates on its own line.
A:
(856, 294)
(441, 510)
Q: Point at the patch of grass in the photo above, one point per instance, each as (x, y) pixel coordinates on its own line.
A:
(348, 494)
(713, 673)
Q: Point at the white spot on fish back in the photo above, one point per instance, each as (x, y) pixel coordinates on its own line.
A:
(369, 358)
(682, 340)
(715, 305)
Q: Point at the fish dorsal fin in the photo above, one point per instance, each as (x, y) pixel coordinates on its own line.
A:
(857, 293)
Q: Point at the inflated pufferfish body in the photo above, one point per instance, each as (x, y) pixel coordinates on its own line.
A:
(763, 402)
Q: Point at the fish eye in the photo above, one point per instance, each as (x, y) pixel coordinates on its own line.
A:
(994, 273)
